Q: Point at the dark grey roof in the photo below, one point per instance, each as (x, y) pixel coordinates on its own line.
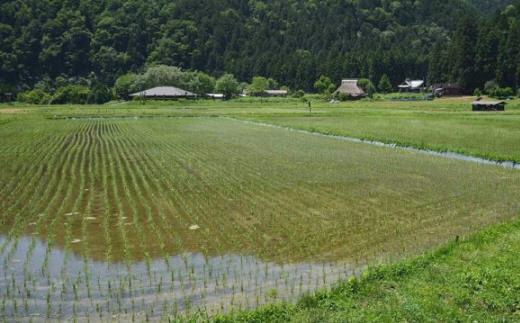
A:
(164, 92)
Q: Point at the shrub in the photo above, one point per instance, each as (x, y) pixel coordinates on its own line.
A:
(518, 93)
(75, 94)
(99, 94)
(490, 87)
(384, 84)
(298, 94)
(228, 85)
(126, 85)
(36, 96)
(258, 86)
(503, 92)
(477, 92)
(367, 86)
(324, 85)
(342, 97)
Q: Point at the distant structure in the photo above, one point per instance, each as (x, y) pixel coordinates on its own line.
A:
(164, 93)
(412, 86)
(447, 89)
(489, 106)
(216, 96)
(351, 89)
(276, 92)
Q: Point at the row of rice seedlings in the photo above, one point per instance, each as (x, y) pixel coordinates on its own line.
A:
(29, 164)
(46, 187)
(69, 210)
(233, 287)
(190, 272)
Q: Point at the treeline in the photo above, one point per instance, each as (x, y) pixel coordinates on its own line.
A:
(291, 41)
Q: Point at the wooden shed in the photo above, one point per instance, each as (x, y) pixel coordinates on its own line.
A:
(489, 106)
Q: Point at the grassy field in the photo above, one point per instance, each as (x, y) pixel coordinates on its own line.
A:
(149, 211)
(471, 281)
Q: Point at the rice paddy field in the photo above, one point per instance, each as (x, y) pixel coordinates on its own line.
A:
(125, 212)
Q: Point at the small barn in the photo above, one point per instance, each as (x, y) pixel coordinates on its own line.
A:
(164, 93)
(412, 86)
(350, 89)
(489, 106)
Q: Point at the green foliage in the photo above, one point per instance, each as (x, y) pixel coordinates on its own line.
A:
(367, 86)
(478, 287)
(36, 96)
(99, 93)
(490, 87)
(74, 94)
(228, 85)
(126, 85)
(284, 41)
(258, 86)
(477, 92)
(324, 85)
(298, 94)
(503, 93)
(384, 85)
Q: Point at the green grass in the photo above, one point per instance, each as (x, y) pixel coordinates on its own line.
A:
(474, 280)
(125, 184)
(441, 125)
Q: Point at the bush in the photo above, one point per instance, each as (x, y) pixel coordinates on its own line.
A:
(503, 92)
(99, 94)
(384, 84)
(518, 93)
(75, 94)
(490, 87)
(36, 96)
(258, 86)
(126, 85)
(342, 97)
(367, 86)
(477, 92)
(228, 85)
(298, 94)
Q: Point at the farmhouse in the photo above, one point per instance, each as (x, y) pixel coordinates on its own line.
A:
(351, 89)
(276, 92)
(489, 106)
(412, 86)
(164, 92)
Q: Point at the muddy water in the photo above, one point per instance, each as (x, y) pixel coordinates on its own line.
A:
(50, 283)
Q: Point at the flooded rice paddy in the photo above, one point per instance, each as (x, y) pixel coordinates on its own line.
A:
(149, 219)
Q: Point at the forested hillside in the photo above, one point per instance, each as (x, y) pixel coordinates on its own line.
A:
(292, 41)
(490, 6)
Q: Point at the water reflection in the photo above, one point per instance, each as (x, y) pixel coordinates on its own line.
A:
(42, 282)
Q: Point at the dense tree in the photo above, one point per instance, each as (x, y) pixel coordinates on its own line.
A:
(228, 85)
(324, 85)
(384, 85)
(291, 41)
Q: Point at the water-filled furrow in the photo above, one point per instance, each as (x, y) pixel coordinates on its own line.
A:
(21, 219)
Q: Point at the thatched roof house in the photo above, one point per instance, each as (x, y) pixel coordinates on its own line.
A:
(351, 89)
(164, 92)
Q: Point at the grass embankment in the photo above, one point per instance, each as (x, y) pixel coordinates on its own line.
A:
(476, 280)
